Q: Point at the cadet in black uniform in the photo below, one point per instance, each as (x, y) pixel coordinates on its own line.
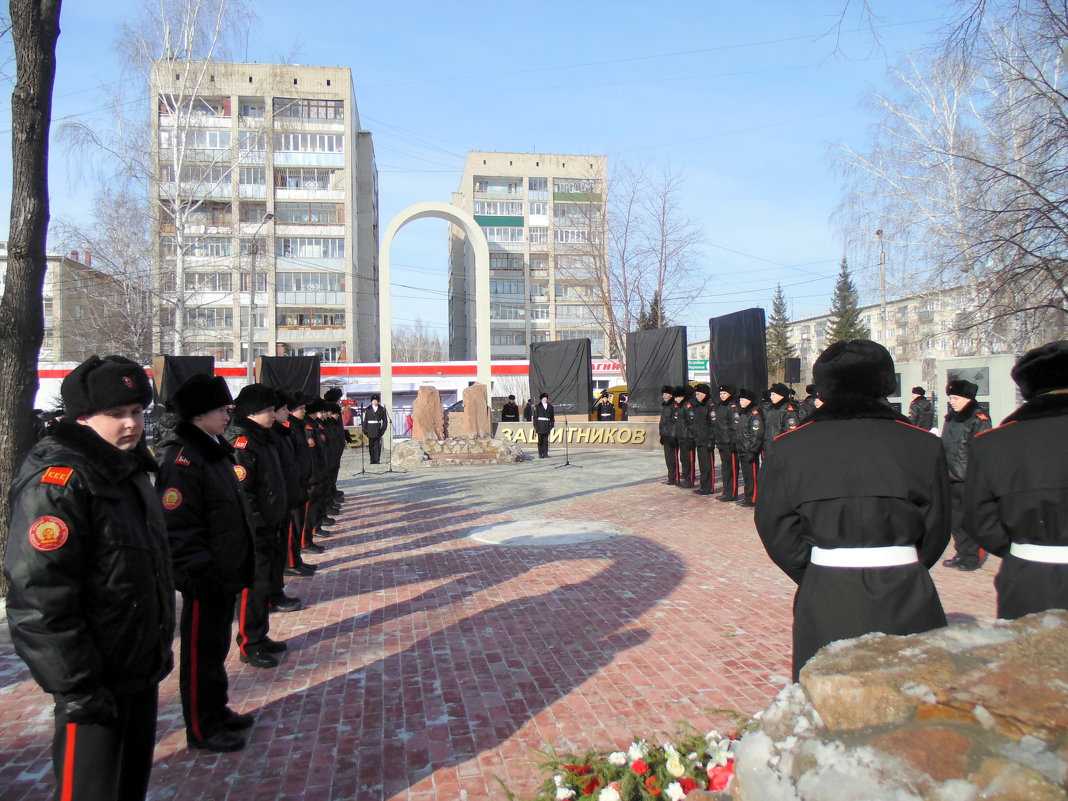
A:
(304, 445)
(91, 600)
(667, 433)
(210, 527)
(374, 428)
(510, 411)
(723, 414)
(259, 471)
(857, 528)
(544, 421)
(1016, 488)
(963, 422)
(528, 410)
(749, 438)
(292, 473)
(624, 404)
(781, 415)
(605, 410)
(921, 410)
(684, 436)
(701, 424)
(808, 405)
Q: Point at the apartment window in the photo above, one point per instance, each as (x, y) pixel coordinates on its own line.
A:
(576, 186)
(539, 290)
(251, 141)
(571, 311)
(309, 109)
(79, 312)
(261, 281)
(254, 176)
(310, 317)
(539, 336)
(502, 186)
(539, 235)
(252, 109)
(507, 311)
(890, 333)
(499, 208)
(210, 246)
(252, 213)
(571, 290)
(538, 188)
(539, 311)
(198, 140)
(309, 143)
(304, 178)
(508, 338)
(503, 233)
(305, 247)
(581, 333)
(221, 317)
(539, 266)
(574, 235)
(539, 208)
(309, 282)
(506, 287)
(208, 282)
(310, 213)
(506, 261)
(205, 175)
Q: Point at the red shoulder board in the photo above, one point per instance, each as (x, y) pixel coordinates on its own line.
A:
(241, 443)
(286, 424)
(982, 416)
(755, 411)
(181, 460)
(57, 475)
(322, 437)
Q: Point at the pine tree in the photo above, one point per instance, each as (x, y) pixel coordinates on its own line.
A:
(654, 317)
(845, 324)
(779, 347)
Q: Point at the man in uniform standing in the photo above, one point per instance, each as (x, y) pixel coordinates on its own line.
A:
(723, 414)
(605, 410)
(374, 428)
(91, 603)
(781, 416)
(667, 433)
(510, 411)
(749, 437)
(963, 422)
(210, 525)
(544, 421)
(921, 410)
(684, 436)
(857, 528)
(701, 424)
(1016, 487)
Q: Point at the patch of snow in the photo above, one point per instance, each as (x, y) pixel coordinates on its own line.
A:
(955, 790)
(986, 720)
(1051, 622)
(1032, 752)
(919, 691)
(956, 639)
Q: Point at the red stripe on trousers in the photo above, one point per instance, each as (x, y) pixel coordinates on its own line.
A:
(734, 473)
(68, 762)
(304, 530)
(754, 482)
(243, 635)
(289, 550)
(194, 695)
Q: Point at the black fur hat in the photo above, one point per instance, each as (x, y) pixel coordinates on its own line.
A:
(198, 394)
(1042, 369)
(332, 395)
(295, 400)
(679, 391)
(315, 405)
(730, 389)
(254, 398)
(704, 388)
(281, 398)
(858, 367)
(919, 391)
(667, 389)
(962, 388)
(811, 389)
(780, 389)
(748, 394)
(97, 384)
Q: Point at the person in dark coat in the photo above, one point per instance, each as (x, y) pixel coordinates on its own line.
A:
(1016, 488)
(781, 415)
(510, 411)
(703, 435)
(667, 433)
(749, 432)
(963, 422)
(211, 529)
(921, 410)
(605, 410)
(528, 410)
(375, 423)
(624, 404)
(544, 421)
(808, 405)
(723, 414)
(91, 599)
(317, 515)
(304, 448)
(854, 508)
(260, 474)
(293, 475)
(684, 436)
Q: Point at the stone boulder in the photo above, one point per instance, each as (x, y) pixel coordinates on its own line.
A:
(428, 417)
(962, 713)
(476, 413)
(450, 452)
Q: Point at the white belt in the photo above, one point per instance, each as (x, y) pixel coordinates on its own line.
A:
(374, 422)
(543, 418)
(1053, 554)
(887, 556)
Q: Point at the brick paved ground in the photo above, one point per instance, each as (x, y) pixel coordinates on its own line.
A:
(427, 665)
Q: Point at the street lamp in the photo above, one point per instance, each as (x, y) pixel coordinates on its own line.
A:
(252, 293)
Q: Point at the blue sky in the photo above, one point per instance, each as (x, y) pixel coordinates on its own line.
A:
(744, 100)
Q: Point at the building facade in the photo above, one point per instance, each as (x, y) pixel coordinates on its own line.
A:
(263, 181)
(544, 218)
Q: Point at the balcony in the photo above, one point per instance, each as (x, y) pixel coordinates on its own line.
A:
(309, 159)
(309, 194)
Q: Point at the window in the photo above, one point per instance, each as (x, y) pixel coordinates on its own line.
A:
(252, 108)
(539, 311)
(537, 185)
(506, 287)
(505, 233)
(261, 281)
(310, 213)
(539, 336)
(302, 247)
(210, 246)
(572, 311)
(508, 338)
(507, 311)
(221, 317)
(506, 261)
(208, 282)
(499, 208)
(252, 213)
(255, 176)
(571, 290)
(502, 186)
(261, 319)
(576, 186)
(574, 235)
(79, 312)
(309, 109)
(539, 290)
(202, 174)
(199, 140)
(309, 143)
(539, 208)
(309, 282)
(539, 236)
(310, 317)
(539, 265)
(248, 141)
(304, 178)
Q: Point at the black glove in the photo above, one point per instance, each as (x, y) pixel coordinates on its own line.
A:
(94, 707)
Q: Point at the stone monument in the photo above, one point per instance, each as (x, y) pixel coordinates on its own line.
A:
(476, 413)
(428, 418)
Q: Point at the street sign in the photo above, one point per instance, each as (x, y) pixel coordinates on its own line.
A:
(698, 365)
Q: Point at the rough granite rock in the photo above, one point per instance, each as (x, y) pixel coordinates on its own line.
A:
(446, 452)
(476, 412)
(428, 418)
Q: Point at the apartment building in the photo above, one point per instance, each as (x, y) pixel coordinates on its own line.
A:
(267, 210)
(85, 311)
(544, 218)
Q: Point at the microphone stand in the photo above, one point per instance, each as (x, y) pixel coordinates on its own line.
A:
(567, 432)
(389, 425)
(363, 446)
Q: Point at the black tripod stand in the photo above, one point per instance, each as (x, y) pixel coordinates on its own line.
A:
(567, 436)
(389, 425)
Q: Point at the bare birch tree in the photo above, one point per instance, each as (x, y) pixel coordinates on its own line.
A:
(416, 343)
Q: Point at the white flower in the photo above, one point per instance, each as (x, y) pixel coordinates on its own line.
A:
(674, 765)
(637, 750)
(608, 793)
(713, 736)
(674, 792)
(719, 753)
(617, 758)
(563, 793)
(671, 750)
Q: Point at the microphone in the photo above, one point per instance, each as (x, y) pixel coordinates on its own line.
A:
(564, 405)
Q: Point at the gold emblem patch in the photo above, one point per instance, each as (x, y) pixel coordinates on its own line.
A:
(171, 499)
(48, 533)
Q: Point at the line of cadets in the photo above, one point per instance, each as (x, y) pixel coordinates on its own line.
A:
(243, 500)
(693, 426)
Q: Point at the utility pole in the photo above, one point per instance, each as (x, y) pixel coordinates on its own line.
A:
(252, 294)
(882, 279)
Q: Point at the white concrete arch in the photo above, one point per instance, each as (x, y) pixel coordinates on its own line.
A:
(477, 239)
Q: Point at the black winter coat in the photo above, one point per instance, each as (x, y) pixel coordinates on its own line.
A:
(701, 421)
(684, 420)
(91, 604)
(856, 475)
(374, 421)
(957, 432)
(302, 451)
(209, 520)
(317, 450)
(921, 413)
(667, 422)
(510, 412)
(806, 408)
(544, 418)
(1016, 491)
(259, 472)
(723, 422)
(604, 411)
(748, 429)
(780, 418)
(291, 469)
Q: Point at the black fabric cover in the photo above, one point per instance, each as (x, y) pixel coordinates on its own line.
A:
(563, 370)
(654, 358)
(170, 372)
(738, 352)
(290, 373)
